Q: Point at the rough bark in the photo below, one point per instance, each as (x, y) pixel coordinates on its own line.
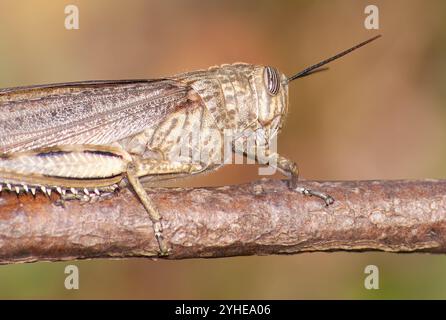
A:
(262, 217)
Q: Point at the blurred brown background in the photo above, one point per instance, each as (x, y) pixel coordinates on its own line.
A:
(377, 114)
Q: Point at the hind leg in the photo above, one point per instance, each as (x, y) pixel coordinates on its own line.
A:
(144, 167)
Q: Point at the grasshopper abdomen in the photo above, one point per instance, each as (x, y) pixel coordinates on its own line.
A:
(62, 168)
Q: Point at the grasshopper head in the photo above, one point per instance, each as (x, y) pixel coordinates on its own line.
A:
(272, 99)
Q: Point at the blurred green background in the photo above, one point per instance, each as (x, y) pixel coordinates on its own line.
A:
(377, 114)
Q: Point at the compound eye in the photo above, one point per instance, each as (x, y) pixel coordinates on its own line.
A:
(272, 80)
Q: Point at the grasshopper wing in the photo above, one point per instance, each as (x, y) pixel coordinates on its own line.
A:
(93, 112)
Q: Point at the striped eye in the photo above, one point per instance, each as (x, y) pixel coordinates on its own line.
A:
(272, 80)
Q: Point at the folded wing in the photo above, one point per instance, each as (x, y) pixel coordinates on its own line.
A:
(95, 112)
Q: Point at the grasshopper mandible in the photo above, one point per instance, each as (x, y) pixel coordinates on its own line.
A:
(87, 138)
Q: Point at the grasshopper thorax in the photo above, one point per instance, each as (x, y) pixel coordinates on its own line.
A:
(242, 97)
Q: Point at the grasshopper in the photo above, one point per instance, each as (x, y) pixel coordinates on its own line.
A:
(84, 139)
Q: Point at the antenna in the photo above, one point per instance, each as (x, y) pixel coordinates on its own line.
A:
(315, 68)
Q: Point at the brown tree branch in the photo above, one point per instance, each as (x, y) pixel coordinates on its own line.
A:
(261, 218)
